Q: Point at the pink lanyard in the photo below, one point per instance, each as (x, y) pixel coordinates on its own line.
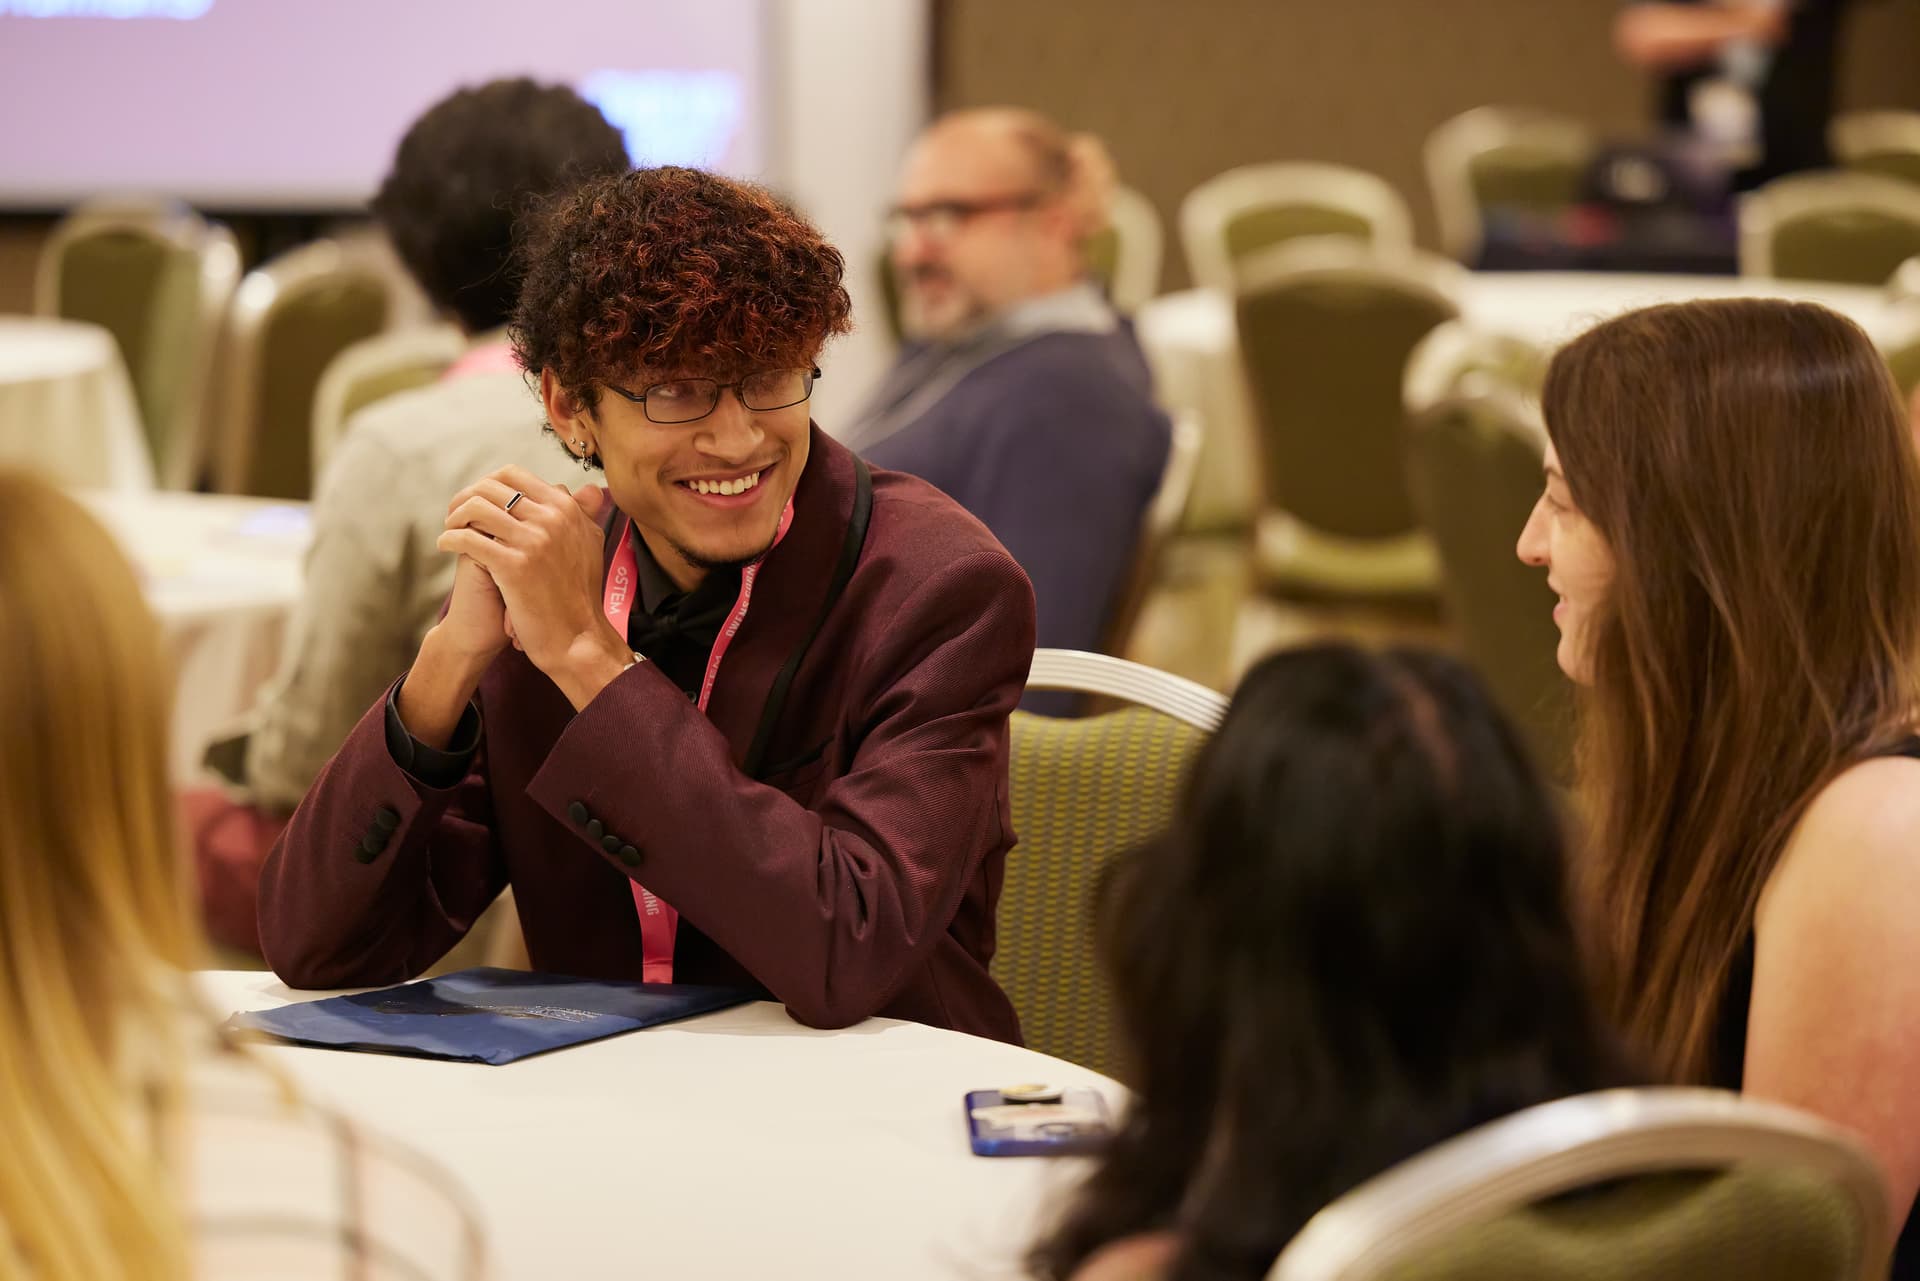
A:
(659, 922)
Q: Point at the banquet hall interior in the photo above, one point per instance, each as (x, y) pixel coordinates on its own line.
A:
(1348, 241)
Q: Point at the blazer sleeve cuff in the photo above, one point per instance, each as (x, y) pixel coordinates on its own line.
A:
(432, 766)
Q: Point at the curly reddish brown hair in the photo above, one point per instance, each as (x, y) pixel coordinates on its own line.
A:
(674, 270)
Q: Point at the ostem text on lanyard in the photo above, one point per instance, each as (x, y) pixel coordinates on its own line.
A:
(659, 922)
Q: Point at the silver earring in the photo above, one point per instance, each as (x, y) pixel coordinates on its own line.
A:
(586, 456)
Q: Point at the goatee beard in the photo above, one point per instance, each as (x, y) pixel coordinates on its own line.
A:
(707, 564)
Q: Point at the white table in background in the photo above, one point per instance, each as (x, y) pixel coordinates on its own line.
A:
(1191, 343)
(222, 575)
(735, 1145)
(67, 406)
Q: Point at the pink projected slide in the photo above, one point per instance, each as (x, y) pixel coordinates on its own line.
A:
(272, 104)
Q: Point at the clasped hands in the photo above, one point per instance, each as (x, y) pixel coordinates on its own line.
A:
(530, 577)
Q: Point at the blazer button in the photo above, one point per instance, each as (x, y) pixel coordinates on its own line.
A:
(386, 818)
(596, 829)
(577, 811)
(630, 856)
(367, 850)
(609, 842)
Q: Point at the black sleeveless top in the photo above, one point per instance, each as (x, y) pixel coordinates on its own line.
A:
(1730, 1053)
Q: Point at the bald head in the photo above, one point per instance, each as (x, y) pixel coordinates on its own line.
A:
(1018, 144)
(989, 214)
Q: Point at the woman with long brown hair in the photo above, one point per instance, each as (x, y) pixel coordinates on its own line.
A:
(1732, 523)
(138, 1142)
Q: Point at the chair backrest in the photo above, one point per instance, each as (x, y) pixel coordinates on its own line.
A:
(1473, 463)
(1461, 349)
(373, 369)
(1851, 227)
(1162, 519)
(1234, 215)
(159, 278)
(1502, 157)
(890, 301)
(1898, 338)
(1127, 254)
(1668, 1184)
(1085, 791)
(1878, 142)
(289, 319)
(1904, 284)
(1326, 327)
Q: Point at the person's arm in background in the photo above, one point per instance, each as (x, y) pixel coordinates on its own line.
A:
(1669, 37)
(351, 633)
(392, 856)
(349, 636)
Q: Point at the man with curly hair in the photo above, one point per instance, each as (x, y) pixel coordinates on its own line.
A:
(1019, 391)
(740, 717)
(463, 173)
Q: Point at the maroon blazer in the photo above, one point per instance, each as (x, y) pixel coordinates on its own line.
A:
(860, 878)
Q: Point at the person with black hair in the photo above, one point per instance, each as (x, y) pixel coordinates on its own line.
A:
(464, 176)
(1354, 941)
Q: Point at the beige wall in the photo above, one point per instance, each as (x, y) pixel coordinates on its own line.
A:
(1182, 89)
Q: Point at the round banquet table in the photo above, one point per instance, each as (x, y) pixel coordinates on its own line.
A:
(1192, 346)
(736, 1144)
(67, 406)
(222, 576)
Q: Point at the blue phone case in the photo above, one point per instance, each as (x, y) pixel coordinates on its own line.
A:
(1040, 1138)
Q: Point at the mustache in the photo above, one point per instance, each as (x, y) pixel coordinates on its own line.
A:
(927, 274)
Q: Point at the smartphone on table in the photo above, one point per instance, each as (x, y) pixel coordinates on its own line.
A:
(1037, 1120)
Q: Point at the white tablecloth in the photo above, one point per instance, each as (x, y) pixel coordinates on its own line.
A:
(67, 406)
(1190, 343)
(222, 574)
(735, 1145)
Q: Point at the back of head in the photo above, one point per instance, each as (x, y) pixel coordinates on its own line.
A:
(95, 912)
(469, 169)
(1354, 942)
(1749, 468)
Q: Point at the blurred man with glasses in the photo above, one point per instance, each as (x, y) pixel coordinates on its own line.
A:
(739, 717)
(1019, 391)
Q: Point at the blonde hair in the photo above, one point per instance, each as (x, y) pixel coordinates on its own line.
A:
(96, 916)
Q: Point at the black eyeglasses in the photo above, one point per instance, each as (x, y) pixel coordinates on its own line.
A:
(685, 400)
(941, 218)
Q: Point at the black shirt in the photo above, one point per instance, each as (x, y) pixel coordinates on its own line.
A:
(1795, 99)
(675, 630)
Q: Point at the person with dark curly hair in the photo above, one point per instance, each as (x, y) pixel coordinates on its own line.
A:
(745, 708)
(462, 177)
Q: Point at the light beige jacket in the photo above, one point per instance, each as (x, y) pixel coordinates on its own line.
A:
(374, 580)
